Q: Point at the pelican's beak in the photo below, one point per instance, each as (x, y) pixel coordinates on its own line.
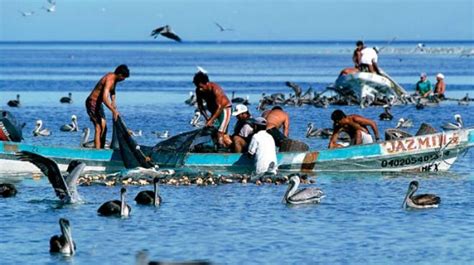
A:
(66, 231)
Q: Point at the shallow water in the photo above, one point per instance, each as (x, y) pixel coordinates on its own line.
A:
(359, 221)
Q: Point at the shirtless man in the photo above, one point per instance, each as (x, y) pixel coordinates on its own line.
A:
(277, 118)
(101, 93)
(440, 87)
(216, 102)
(355, 126)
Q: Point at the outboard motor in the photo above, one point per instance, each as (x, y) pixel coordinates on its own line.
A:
(10, 129)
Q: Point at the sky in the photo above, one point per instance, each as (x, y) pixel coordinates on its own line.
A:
(259, 20)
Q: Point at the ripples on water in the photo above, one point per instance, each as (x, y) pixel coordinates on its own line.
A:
(359, 221)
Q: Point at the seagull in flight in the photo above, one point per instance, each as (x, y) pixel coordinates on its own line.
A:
(26, 13)
(223, 28)
(167, 32)
(52, 6)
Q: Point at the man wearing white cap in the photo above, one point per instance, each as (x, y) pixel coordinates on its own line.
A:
(440, 86)
(243, 129)
(423, 86)
(263, 148)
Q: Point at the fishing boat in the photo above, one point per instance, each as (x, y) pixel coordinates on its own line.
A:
(430, 152)
(364, 84)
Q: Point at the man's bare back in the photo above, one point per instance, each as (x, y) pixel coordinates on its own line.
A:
(277, 118)
(214, 96)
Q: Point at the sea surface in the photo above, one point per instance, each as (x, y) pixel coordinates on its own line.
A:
(360, 221)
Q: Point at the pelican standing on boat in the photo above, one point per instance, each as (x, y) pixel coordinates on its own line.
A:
(66, 100)
(420, 201)
(65, 186)
(64, 243)
(402, 123)
(7, 190)
(14, 102)
(306, 195)
(39, 131)
(72, 127)
(116, 207)
(150, 196)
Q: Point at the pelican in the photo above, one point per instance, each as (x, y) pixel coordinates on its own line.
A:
(165, 31)
(459, 124)
(148, 196)
(52, 6)
(67, 100)
(311, 131)
(85, 140)
(164, 134)
(419, 104)
(195, 121)
(464, 101)
(65, 186)
(221, 28)
(420, 201)
(38, 131)
(191, 100)
(14, 102)
(139, 133)
(402, 123)
(116, 207)
(72, 127)
(386, 115)
(63, 244)
(7, 190)
(306, 195)
(239, 100)
(141, 258)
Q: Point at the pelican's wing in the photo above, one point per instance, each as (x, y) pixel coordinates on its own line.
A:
(171, 35)
(53, 2)
(157, 31)
(74, 169)
(307, 194)
(219, 26)
(426, 199)
(295, 88)
(50, 169)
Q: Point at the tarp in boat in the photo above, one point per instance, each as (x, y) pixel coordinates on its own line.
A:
(10, 128)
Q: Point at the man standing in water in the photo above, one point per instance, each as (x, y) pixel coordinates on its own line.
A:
(355, 126)
(216, 102)
(104, 92)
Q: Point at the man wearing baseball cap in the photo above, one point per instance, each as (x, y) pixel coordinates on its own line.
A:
(440, 86)
(423, 86)
(243, 129)
(262, 148)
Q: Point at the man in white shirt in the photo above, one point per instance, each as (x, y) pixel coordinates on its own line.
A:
(368, 60)
(263, 148)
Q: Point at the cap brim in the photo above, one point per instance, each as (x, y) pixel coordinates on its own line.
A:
(235, 113)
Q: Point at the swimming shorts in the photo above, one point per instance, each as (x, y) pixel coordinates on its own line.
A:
(222, 123)
(96, 113)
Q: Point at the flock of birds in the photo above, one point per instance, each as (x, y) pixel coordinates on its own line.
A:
(65, 187)
(50, 8)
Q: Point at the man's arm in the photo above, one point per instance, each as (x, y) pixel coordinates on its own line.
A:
(333, 139)
(109, 83)
(366, 122)
(214, 116)
(286, 126)
(376, 67)
(252, 148)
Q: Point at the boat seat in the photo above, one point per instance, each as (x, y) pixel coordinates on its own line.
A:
(425, 129)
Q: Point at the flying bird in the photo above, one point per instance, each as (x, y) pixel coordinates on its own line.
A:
(27, 13)
(167, 32)
(52, 6)
(222, 28)
(65, 186)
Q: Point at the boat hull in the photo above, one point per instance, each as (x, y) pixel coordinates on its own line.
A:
(433, 152)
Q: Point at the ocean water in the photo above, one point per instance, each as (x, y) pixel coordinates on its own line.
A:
(359, 221)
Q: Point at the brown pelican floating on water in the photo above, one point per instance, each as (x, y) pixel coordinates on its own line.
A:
(116, 207)
(311, 131)
(141, 258)
(14, 102)
(464, 101)
(39, 131)
(195, 121)
(402, 123)
(65, 186)
(420, 201)
(306, 195)
(165, 31)
(386, 115)
(164, 134)
(63, 243)
(150, 196)
(72, 127)
(7, 190)
(459, 124)
(66, 100)
(239, 100)
(191, 100)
